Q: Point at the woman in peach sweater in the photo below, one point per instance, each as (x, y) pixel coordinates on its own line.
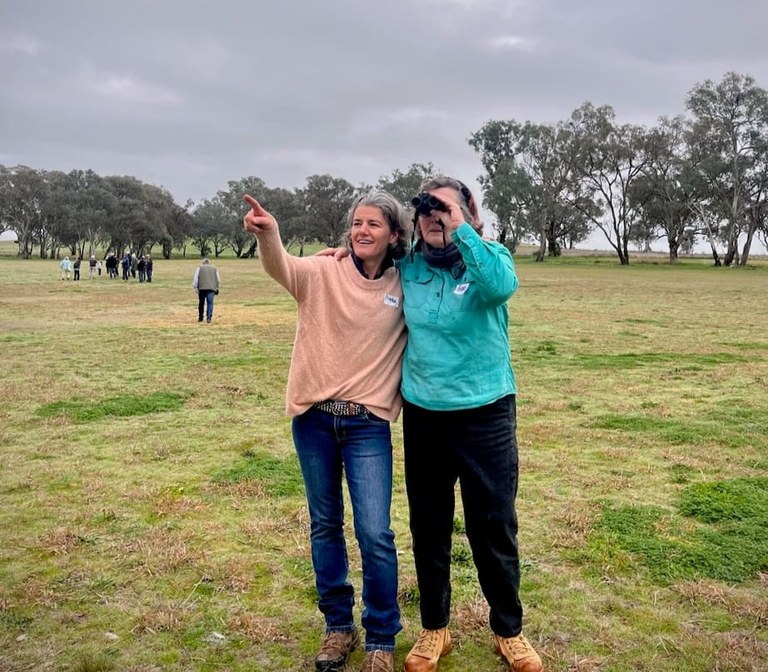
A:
(342, 393)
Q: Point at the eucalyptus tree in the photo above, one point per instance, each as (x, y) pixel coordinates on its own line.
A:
(59, 215)
(505, 187)
(287, 205)
(21, 189)
(232, 210)
(160, 211)
(610, 158)
(326, 202)
(665, 192)
(762, 234)
(90, 201)
(125, 192)
(757, 206)
(531, 183)
(727, 135)
(211, 226)
(179, 227)
(405, 185)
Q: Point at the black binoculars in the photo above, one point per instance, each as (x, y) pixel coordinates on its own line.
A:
(424, 203)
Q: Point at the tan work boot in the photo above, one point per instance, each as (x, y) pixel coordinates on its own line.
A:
(518, 653)
(378, 661)
(335, 650)
(427, 651)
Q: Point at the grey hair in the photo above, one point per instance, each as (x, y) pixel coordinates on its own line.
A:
(467, 201)
(394, 214)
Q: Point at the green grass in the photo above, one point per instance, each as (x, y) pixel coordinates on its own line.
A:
(153, 511)
(80, 410)
(720, 532)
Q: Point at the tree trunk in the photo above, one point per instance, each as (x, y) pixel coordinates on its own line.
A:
(674, 247)
(542, 251)
(748, 242)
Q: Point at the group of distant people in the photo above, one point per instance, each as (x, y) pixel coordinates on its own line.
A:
(70, 270)
(130, 264)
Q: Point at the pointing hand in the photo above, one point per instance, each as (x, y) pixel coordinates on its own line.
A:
(257, 220)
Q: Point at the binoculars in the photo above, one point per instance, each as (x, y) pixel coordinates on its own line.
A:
(424, 203)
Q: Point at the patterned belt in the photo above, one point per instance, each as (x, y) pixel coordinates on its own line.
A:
(335, 407)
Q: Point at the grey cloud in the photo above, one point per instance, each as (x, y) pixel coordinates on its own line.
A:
(190, 95)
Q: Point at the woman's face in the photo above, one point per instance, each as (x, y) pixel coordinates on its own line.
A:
(370, 234)
(429, 225)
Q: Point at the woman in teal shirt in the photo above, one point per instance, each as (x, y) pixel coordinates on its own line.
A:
(459, 419)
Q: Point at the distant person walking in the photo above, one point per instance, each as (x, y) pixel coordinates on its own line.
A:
(149, 267)
(125, 263)
(66, 268)
(77, 268)
(92, 263)
(206, 283)
(111, 264)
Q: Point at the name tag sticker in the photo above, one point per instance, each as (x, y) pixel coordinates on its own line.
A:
(461, 289)
(390, 300)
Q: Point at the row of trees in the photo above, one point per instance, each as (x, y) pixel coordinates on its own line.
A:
(701, 176)
(696, 177)
(80, 211)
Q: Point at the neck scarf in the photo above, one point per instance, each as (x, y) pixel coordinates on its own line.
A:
(442, 257)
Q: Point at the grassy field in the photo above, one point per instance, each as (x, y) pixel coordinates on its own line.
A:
(152, 508)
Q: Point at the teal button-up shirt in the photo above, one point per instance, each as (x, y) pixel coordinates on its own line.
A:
(458, 355)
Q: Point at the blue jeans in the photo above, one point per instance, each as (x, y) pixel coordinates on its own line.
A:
(361, 446)
(478, 448)
(205, 302)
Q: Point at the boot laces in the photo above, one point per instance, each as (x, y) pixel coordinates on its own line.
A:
(517, 646)
(427, 642)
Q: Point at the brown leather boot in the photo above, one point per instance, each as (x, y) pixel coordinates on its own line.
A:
(518, 653)
(378, 661)
(427, 651)
(335, 650)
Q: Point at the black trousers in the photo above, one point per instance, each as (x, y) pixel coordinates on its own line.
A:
(477, 447)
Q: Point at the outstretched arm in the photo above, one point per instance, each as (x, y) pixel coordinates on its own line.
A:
(274, 259)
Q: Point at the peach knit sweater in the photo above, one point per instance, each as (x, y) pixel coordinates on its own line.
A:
(350, 332)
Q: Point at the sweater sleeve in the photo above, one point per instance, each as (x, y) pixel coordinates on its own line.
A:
(488, 263)
(277, 263)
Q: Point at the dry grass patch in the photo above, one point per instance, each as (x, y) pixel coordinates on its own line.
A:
(258, 629)
(740, 603)
(60, 541)
(163, 617)
(162, 551)
(470, 617)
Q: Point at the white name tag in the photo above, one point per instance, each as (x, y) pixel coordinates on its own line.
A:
(390, 300)
(461, 289)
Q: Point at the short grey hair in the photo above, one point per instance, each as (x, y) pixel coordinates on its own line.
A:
(394, 214)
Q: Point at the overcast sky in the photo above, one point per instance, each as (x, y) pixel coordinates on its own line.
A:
(189, 94)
